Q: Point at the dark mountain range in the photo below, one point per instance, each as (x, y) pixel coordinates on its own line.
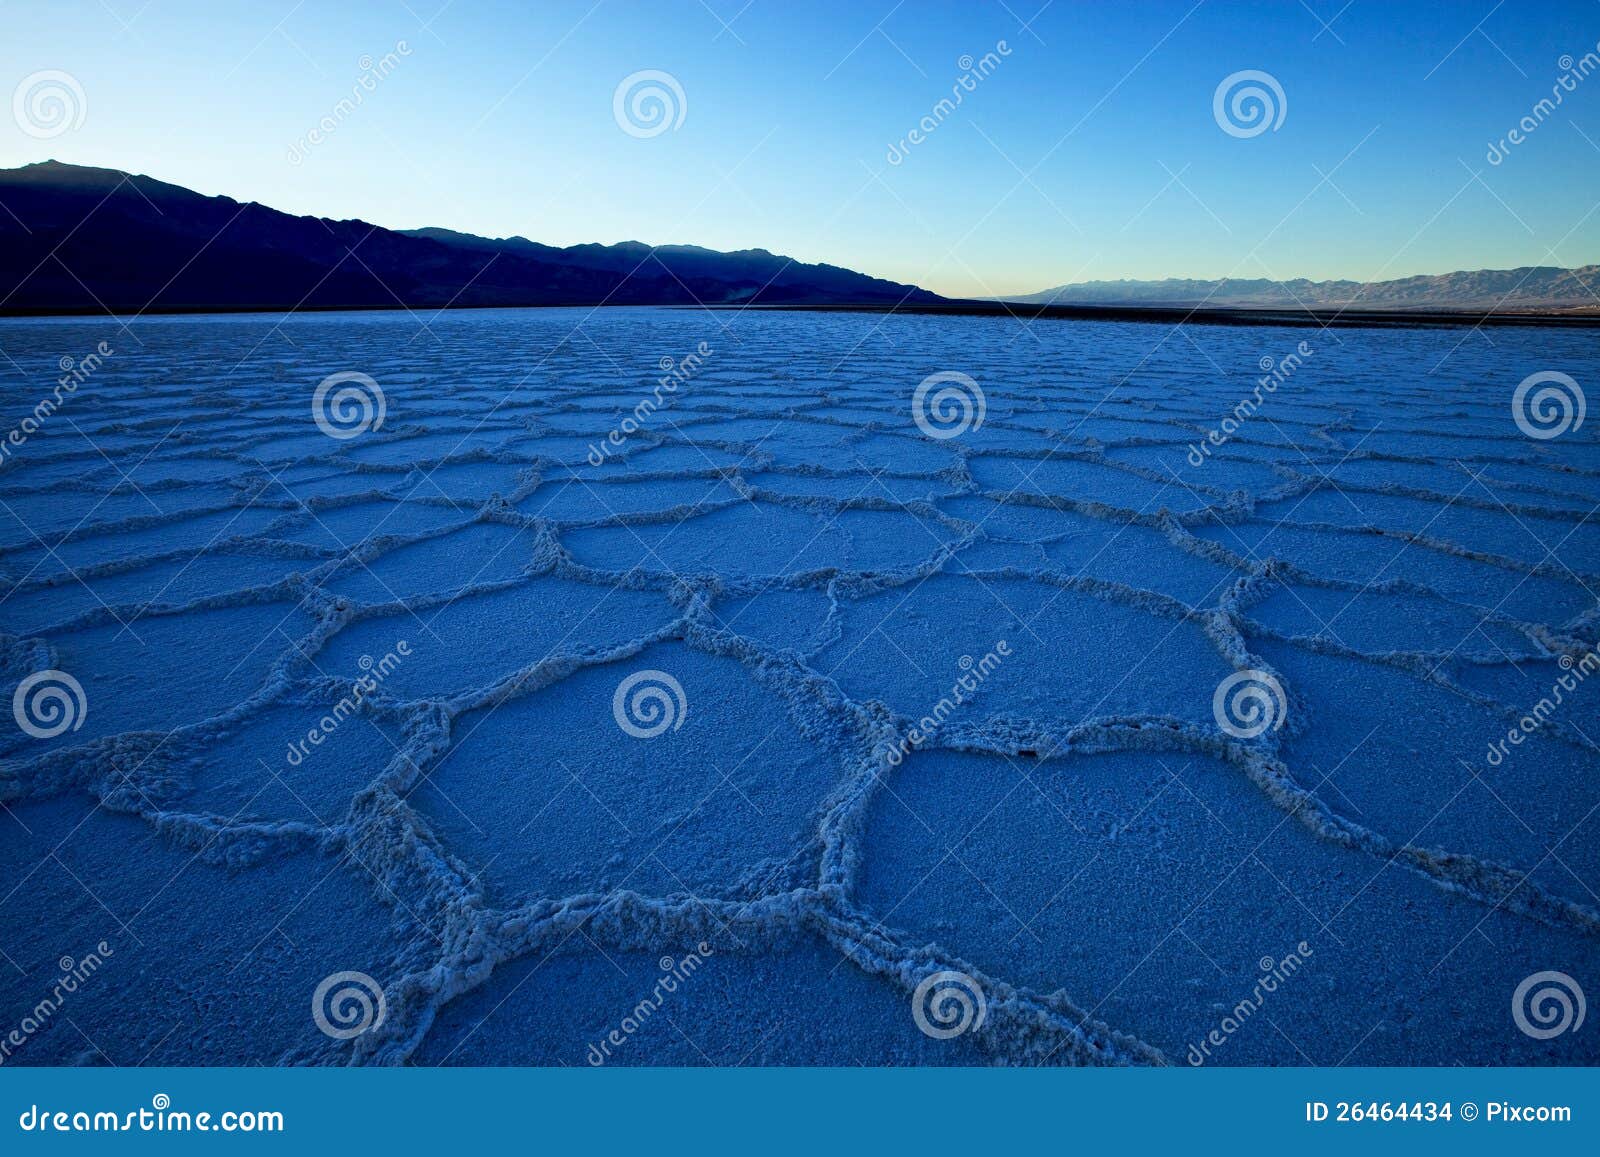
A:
(1530, 288)
(86, 240)
(76, 239)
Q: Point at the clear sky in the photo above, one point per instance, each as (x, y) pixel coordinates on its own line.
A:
(1090, 150)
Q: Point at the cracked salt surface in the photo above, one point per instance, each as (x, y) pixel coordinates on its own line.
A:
(1078, 835)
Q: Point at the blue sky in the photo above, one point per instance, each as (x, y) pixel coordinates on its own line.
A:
(1090, 151)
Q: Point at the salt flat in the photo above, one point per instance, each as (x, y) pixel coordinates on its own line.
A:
(758, 671)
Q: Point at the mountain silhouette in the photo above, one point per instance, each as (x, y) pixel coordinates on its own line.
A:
(75, 239)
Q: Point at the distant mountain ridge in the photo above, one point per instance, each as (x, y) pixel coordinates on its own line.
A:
(1533, 287)
(75, 239)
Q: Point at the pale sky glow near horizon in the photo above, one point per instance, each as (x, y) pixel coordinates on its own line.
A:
(1090, 150)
